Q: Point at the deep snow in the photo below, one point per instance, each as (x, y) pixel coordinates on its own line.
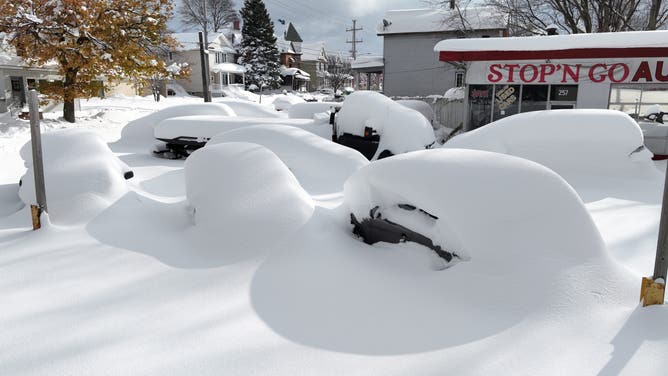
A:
(138, 289)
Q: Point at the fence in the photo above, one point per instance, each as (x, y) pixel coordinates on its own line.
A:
(449, 113)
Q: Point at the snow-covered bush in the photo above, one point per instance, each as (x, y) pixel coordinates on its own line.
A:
(484, 202)
(592, 142)
(401, 129)
(247, 108)
(320, 165)
(284, 102)
(82, 175)
(140, 131)
(244, 195)
(309, 109)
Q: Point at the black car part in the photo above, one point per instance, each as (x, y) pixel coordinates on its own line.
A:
(656, 117)
(377, 229)
(180, 147)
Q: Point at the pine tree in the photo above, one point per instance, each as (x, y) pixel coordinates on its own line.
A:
(89, 39)
(259, 54)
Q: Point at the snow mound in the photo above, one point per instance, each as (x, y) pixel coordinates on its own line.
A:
(580, 142)
(420, 106)
(320, 165)
(237, 91)
(178, 90)
(140, 131)
(308, 110)
(250, 109)
(243, 194)
(401, 129)
(82, 176)
(284, 102)
(474, 193)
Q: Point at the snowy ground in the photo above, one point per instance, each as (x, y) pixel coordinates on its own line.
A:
(136, 291)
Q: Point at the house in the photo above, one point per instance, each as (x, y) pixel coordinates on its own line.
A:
(222, 53)
(314, 62)
(412, 67)
(290, 50)
(17, 77)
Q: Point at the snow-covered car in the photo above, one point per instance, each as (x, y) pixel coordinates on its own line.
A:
(284, 102)
(309, 110)
(655, 131)
(570, 142)
(180, 136)
(247, 108)
(459, 203)
(81, 173)
(379, 127)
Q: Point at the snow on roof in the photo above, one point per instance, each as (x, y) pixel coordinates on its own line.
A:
(435, 20)
(648, 41)
(228, 68)
(312, 51)
(368, 62)
(294, 72)
(217, 42)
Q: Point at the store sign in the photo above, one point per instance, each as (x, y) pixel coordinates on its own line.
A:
(644, 71)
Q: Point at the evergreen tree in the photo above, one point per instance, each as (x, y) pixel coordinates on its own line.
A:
(259, 54)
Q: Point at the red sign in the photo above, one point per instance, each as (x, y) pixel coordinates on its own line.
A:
(574, 73)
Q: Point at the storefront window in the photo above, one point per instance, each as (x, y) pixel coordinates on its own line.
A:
(534, 98)
(506, 101)
(635, 100)
(480, 105)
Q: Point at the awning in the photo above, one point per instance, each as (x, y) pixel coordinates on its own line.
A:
(228, 68)
(599, 45)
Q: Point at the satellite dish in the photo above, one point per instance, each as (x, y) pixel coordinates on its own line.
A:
(386, 23)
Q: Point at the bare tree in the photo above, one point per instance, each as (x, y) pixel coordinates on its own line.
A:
(527, 17)
(209, 15)
(339, 71)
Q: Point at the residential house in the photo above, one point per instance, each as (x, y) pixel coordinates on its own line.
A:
(290, 50)
(314, 62)
(17, 77)
(221, 55)
(412, 67)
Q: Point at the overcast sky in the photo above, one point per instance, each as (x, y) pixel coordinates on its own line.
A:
(327, 20)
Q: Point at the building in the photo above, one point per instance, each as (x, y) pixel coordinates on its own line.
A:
(17, 77)
(626, 71)
(290, 50)
(314, 62)
(368, 72)
(411, 67)
(222, 54)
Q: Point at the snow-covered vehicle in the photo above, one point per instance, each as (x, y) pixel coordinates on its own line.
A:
(379, 127)
(655, 131)
(180, 136)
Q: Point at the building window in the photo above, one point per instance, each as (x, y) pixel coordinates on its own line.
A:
(636, 99)
(480, 105)
(459, 79)
(170, 56)
(220, 58)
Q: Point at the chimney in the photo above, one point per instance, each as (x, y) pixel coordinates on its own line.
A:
(237, 24)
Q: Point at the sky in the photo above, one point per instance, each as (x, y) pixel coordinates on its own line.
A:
(327, 20)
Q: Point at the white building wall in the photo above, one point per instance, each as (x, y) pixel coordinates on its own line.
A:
(593, 95)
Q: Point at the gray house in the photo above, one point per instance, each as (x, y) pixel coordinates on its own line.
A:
(412, 67)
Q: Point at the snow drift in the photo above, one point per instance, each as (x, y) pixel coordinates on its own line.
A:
(285, 102)
(82, 175)
(250, 109)
(401, 129)
(320, 165)
(244, 195)
(599, 142)
(307, 110)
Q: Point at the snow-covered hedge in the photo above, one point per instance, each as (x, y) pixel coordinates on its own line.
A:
(484, 202)
(600, 142)
(243, 194)
(320, 165)
(401, 129)
(82, 175)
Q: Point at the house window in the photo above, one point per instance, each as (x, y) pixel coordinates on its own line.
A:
(170, 55)
(220, 58)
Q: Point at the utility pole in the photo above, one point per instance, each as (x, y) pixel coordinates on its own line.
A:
(37, 163)
(204, 57)
(354, 42)
(653, 290)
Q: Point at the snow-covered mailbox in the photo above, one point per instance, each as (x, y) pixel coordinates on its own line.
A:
(625, 71)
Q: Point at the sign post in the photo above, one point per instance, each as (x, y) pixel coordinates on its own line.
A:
(37, 163)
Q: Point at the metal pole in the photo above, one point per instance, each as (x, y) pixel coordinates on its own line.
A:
(653, 290)
(205, 72)
(38, 165)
